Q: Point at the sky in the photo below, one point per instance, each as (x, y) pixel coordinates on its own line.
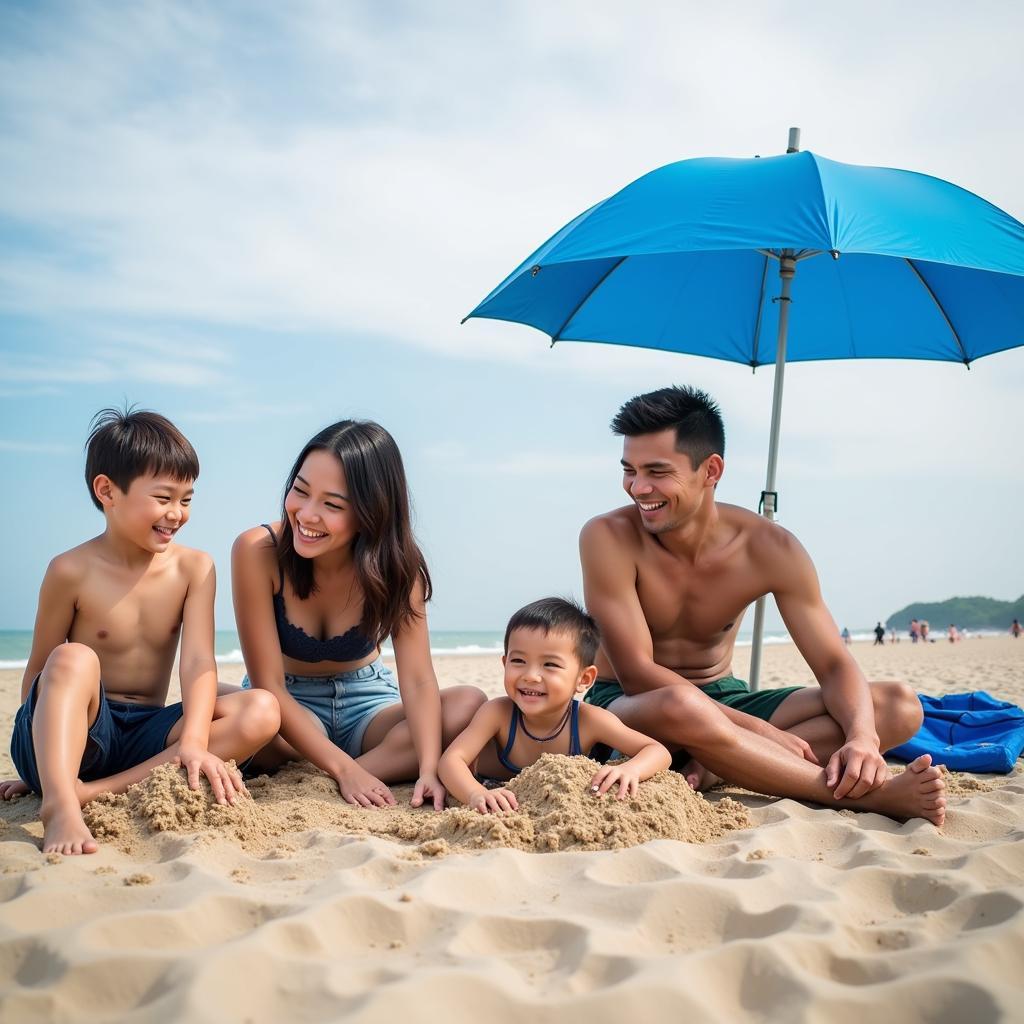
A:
(259, 218)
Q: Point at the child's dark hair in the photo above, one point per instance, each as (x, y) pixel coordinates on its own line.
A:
(388, 561)
(559, 615)
(125, 444)
(692, 413)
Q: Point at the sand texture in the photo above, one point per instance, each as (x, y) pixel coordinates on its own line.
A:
(294, 907)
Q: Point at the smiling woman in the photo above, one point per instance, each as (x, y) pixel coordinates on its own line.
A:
(315, 596)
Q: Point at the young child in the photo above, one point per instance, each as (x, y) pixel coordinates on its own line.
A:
(110, 615)
(550, 647)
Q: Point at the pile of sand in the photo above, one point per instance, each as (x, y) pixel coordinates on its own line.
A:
(556, 812)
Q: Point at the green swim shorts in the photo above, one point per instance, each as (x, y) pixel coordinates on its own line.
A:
(730, 691)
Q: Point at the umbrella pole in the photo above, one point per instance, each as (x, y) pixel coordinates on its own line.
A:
(769, 496)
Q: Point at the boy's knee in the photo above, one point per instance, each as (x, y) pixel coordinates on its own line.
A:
(72, 663)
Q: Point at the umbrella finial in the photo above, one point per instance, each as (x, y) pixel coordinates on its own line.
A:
(794, 140)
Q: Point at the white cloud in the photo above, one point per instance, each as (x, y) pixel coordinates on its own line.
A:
(119, 355)
(411, 169)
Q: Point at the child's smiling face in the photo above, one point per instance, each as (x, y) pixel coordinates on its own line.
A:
(150, 512)
(543, 672)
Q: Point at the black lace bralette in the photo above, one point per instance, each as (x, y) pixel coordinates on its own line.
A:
(352, 645)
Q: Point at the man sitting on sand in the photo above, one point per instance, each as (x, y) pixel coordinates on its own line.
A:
(110, 614)
(668, 578)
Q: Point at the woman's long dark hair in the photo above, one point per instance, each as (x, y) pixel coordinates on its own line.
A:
(388, 561)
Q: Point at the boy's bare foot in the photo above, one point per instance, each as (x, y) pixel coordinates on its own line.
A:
(11, 788)
(65, 831)
(919, 792)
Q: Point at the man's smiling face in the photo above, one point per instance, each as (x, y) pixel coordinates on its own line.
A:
(661, 481)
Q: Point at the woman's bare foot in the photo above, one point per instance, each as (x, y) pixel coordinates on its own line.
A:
(10, 788)
(64, 829)
(919, 792)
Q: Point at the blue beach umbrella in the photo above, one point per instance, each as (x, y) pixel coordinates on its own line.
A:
(707, 256)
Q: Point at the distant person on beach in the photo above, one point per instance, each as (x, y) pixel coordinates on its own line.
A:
(893, 638)
(879, 635)
(846, 636)
(316, 594)
(915, 631)
(1015, 629)
(924, 631)
(952, 633)
(111, 612)
(669, 577)
(549, 663)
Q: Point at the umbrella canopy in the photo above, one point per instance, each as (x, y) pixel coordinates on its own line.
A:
(890, 264)
(877, 263)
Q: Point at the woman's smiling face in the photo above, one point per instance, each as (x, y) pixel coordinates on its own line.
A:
(319, 511)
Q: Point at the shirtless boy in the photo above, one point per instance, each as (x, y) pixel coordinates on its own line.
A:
(668, 578)
(110, 615)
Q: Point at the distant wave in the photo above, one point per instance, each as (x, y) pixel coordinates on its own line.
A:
(234, 657)
(16, 663)
(465, 649)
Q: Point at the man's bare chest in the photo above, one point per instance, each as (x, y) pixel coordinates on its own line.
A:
(693, 603)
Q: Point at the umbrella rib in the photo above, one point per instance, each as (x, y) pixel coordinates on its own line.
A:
(760, 312)
(938, 306)
(604, 277)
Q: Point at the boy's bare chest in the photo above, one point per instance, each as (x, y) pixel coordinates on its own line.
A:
(124, 612)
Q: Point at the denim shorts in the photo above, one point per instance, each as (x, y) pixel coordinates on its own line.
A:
(345, 704)
(122, 736)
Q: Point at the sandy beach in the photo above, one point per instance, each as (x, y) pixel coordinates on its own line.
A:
(293, 907)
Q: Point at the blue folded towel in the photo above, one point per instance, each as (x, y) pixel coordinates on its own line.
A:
(967, 732)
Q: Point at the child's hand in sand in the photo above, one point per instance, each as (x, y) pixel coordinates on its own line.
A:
(226, 783)
(11, 788)
(856, 769)
(494, 801)
(357, 786)
(428, 787)
(626, 775)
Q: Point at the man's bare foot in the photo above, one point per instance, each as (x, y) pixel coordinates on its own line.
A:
(919, 792)
(699, 777)
(11, 788)
(65, 831)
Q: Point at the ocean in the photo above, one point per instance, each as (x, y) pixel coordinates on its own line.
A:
(15, 644)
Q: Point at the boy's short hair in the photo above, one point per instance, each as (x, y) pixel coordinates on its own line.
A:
(692, 413)
(125, 444)
(559, 615)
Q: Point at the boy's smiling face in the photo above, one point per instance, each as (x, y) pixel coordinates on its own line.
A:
(150, 512)
(543, 672)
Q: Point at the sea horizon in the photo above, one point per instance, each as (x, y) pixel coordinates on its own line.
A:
(15, 644)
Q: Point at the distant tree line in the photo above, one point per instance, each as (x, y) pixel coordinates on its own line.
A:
(963, 612)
